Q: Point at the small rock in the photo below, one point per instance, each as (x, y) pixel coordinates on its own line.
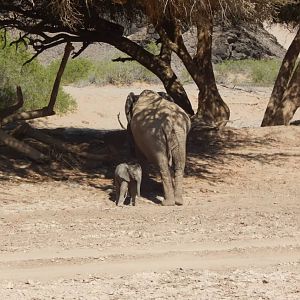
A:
(29, 282)
(265, 281)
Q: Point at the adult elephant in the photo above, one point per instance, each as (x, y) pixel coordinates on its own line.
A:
(159, 128)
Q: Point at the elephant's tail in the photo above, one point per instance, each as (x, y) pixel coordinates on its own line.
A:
(171, 143)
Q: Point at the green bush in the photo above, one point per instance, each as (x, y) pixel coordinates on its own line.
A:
(256, 72)
(76, 70)
(82, 71)
(35, 80)
(153, 48)
(185, 77)
(109, 72)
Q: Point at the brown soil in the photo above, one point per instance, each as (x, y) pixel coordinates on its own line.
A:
(237, 236)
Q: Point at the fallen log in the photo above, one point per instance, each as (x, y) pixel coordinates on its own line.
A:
(64, 147)
(30, 115)
(21, 147)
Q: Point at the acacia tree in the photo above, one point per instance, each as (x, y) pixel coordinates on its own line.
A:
(47, 24)
(103, 21)
(170, 18)
(285, 97)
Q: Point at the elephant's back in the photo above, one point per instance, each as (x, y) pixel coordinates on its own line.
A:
(154, 110)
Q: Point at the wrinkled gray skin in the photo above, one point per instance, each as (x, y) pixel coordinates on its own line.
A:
(128, 179)
(159, 129)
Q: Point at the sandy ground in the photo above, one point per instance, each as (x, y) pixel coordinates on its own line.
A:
(236, 237)
(98, 108)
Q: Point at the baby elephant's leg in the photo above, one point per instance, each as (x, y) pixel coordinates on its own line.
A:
(123, 192)
(133, 191)
(117, 186)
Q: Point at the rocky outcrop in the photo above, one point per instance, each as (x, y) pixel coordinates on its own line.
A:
(238, 43)
(244, 42)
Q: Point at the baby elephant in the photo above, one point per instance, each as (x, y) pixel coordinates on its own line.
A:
(128, 179)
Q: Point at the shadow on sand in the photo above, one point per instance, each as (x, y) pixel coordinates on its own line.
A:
(209, 153)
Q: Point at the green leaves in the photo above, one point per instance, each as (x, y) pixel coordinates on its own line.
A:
(35, 80)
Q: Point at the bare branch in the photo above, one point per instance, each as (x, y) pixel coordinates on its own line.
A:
(33, 57)
(84, 46)
(69, 47)
(22, 116)
(123, 59)
(42, 45)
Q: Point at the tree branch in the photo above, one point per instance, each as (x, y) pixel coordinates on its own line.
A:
(84, 46)
(69, 47)
(29, 115)
(123, 59)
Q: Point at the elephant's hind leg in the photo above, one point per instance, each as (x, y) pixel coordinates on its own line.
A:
(168, 185)
(178, 187)
(179, 157)
(117, 187)
(133, 192)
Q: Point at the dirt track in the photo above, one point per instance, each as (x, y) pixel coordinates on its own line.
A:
(237, 236)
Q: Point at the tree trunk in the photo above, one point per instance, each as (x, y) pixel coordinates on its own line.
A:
(281, 83)
(211, 108)
(160, 67)
(290, 102)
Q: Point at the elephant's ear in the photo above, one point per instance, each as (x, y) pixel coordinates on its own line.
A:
(131, 99)
(166, 96)
(126, 174)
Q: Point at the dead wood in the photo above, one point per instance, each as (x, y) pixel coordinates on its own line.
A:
(19, 131)
(29, 115)
(21, 147)
(64, 147)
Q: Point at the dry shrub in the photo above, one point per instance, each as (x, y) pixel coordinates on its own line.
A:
(70, 11)
(193, 10)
